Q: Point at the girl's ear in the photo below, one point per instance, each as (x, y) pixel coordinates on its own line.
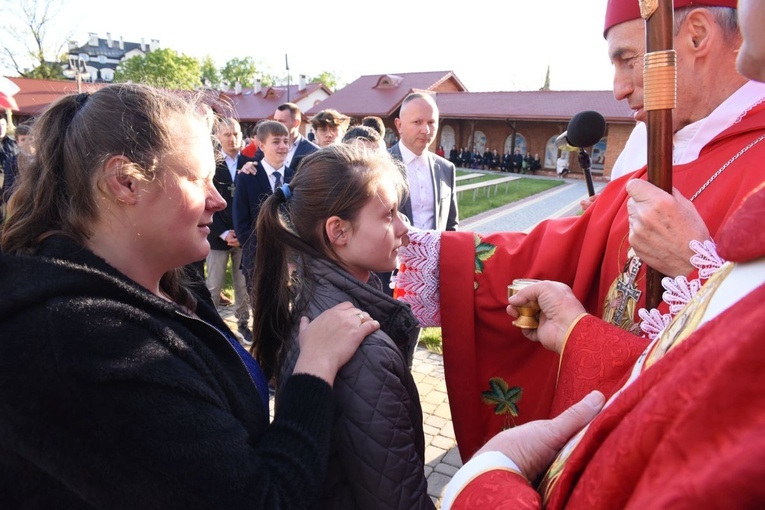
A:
(337, 231)
(119, 180)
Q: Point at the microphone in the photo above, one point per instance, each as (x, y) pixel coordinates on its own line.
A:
(562, 143)
(584, 130)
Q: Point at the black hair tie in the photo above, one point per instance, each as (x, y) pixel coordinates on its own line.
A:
(81, 99)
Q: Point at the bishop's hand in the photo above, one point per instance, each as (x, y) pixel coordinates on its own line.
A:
(662, 226)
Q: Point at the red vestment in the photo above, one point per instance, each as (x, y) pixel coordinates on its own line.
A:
(588, 253)
(689, 432)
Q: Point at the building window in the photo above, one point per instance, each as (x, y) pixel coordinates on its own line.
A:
(599, 156)
(447, 138)
(107, 74)
(479, 142)
(551, 152)
(520, 143)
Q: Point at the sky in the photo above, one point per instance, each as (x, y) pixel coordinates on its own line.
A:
(490, 45)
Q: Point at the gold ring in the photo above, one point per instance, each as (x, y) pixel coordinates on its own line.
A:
(360, 315)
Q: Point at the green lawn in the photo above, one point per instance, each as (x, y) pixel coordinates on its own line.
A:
(517, 190)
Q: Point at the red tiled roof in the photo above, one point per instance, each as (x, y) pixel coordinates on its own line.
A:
(551, 105)
(251, 107)
(381, 94)
(35, 95)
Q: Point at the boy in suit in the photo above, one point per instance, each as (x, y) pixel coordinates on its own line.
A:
(252, 189)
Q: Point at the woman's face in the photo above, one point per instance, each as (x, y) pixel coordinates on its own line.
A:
(178, 206)
(376, 235)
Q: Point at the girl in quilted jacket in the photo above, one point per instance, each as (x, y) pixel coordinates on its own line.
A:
(328, 231)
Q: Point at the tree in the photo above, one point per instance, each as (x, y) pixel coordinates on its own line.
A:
(26, 44)
(210, 73)
(161, 68)
(240, 70)
(329, 79)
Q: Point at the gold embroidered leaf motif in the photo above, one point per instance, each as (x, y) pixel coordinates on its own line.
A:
(483, 252)
(502, 397)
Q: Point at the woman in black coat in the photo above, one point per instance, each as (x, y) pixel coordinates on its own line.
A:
(120, 386)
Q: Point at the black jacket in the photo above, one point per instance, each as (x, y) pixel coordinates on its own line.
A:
(111, 397)
(251, 191)
(223, 220)
(377, 458)
(304, 148)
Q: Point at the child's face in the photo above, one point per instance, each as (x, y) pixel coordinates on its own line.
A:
(275, 149)
(376, 235)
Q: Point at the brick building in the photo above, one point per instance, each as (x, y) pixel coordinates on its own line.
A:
(529, 121)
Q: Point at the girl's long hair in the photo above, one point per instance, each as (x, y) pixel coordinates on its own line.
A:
(335, 181)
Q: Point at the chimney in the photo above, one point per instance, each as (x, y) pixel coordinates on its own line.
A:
(93, 39)
(155, 44)
(109, 39)
(301, 82)
(72, 46)
(122, 43)
(143, 45)
(258, 86)
(238, 87)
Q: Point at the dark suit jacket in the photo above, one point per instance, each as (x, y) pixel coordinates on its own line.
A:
(251, 191)
(304, 148)
(223, 220)
(444, 176)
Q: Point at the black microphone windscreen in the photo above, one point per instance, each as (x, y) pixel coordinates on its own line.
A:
(586, 129)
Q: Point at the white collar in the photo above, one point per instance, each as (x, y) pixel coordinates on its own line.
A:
(724, 116)
(408, 156)
(270, 170)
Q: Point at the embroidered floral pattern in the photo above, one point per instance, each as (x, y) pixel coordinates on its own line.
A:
(417, 278)
(504, 399)
(483, 252)
(679, 291)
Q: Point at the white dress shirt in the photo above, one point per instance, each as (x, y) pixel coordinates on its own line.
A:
(270, 171)
(421, 191)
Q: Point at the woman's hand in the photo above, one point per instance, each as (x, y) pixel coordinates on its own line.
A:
(329, 341)
(559, 308)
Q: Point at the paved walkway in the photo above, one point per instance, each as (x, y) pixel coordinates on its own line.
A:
(442, 457)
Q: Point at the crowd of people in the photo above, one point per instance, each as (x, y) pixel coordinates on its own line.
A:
(122, 387)
(491, 159)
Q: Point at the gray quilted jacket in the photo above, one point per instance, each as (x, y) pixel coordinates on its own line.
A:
(378, 447)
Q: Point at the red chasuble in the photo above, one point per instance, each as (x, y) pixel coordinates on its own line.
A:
(689, 432)
(495, 377)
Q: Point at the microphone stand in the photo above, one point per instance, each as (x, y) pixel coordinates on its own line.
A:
(584, 164)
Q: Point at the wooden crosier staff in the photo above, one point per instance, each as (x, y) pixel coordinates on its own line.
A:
(660, 89)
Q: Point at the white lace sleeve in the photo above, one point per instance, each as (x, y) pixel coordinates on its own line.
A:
(417, 280)
(679, 291)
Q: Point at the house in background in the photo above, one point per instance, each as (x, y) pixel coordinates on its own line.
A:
(479, 121)
(482, 121)
(97, 60)
(381, 95)
(258, 103)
